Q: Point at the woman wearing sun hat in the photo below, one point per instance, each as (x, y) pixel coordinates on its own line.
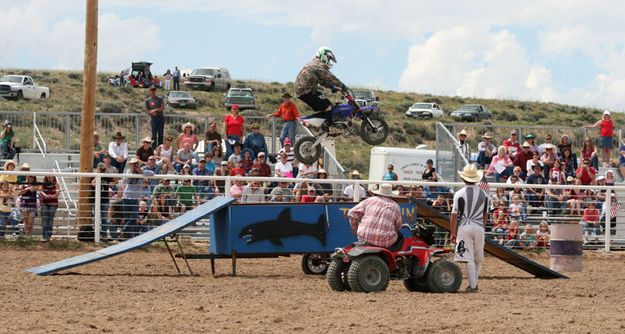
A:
(187, 136)
(469, 215)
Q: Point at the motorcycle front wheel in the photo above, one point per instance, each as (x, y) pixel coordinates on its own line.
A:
(374, 131)
(305, 151)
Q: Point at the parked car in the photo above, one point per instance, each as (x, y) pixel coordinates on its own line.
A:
(209, 79)
(366, 98)
(181, 99)
(20, 87)
(244, 97)
(472, 112)
(424, 110)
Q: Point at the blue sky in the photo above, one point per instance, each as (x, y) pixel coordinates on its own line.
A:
(536, 50)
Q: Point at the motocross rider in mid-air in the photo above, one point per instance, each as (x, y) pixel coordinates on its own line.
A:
(315, 73)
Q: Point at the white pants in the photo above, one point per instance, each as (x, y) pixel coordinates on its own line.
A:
(470, 249)
(470, 243)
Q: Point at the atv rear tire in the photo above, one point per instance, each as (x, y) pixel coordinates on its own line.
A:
(416, 285)
(305, 152)
(443, 276)
(337, 275)
(375, 135)
(315, 263)
(368, 274)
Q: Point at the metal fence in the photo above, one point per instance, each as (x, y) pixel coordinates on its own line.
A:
(512, 220)
(449, 159)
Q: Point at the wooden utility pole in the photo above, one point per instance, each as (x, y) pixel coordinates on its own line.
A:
(85, 216)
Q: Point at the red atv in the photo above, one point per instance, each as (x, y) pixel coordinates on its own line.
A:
(362, 267)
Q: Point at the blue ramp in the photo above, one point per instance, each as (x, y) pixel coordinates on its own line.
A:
(158, 233)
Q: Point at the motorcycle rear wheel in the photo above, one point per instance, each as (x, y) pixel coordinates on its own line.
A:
(375, 135)
(305, 152)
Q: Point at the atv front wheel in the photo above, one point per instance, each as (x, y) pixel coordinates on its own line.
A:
(368, 274)
(315, 264)
(443, 276)
(305, 152)
(337, 275)
(374, 133)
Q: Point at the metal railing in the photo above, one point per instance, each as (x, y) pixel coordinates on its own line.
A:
(449, 158)
(613, 236)
(38, 141)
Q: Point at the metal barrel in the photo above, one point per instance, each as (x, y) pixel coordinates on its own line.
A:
(566, 247)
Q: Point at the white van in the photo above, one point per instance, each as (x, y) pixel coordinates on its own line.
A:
(409, 163)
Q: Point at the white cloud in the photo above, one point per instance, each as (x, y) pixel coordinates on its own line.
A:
(467, 61)
(53, 33)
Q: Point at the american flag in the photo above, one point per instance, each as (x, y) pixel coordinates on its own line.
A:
(614, 209)
(484, 184)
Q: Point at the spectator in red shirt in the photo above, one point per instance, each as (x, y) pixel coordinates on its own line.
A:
(310, 196)
(512, 145)
(377, 219)
(233, 128)
(289, 113)
(522, 158)
(605, 140)
(585, 174)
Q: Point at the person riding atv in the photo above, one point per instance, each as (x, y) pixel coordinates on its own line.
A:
(315, 73)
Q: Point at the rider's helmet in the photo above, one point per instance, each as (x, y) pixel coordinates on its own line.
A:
(325, 54)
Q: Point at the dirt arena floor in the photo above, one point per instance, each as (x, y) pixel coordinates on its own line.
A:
(141, 292)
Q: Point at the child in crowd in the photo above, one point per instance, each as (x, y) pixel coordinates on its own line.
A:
(143, 217)
(527, 240)
(590, 221)
(516, 209)
(542, 236)
(513, 235)
(500, 222)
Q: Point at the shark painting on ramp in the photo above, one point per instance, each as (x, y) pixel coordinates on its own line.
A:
(282, 227)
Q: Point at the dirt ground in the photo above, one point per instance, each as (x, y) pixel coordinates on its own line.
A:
(141, 292)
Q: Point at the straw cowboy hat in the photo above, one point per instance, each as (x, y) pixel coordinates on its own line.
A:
(147, 140)
(463, 132)
(471, 174)
(134, 160)
(185, 125)
(487, 135)
(385, 189)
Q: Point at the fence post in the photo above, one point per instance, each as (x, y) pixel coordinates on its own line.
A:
(356, 191)
(608, 218)
(137, 130)
(68, 131)
(273, 135)
(97, 226)
(34, 126)
(227, 186)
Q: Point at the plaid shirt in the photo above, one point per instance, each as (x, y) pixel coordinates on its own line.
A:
(378, 220)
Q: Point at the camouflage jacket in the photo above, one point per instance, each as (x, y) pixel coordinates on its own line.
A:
(313, 74)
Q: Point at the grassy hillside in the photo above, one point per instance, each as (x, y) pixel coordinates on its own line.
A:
(66, 88)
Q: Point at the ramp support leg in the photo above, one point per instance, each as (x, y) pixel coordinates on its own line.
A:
(234, 263)
(172, 256)
(184, 257)
(213, 265)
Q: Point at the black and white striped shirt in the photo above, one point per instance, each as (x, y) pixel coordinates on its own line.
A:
(471, 204)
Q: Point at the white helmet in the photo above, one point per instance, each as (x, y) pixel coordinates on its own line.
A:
(325, 54)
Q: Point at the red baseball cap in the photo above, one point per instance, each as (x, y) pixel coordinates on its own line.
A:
(235, 106)
(287, 141)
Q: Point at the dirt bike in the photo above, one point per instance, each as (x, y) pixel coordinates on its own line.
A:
(373, 129)
(361, 267)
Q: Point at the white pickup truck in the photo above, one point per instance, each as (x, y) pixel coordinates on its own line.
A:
(21, 87)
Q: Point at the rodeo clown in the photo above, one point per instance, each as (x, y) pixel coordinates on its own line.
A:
(469, 214)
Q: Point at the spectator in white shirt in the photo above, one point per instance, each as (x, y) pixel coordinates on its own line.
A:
(118, 150)
(283, 168)
(349, 190)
